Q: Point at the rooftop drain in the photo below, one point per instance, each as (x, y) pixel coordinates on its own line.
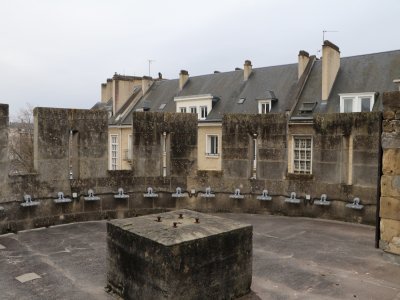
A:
(179, 194)
(150, 193)
(28, 201)
(356, 204)
(236, 195)
(264, 196)
(322, 201)
(91, 196)
(292, 199)
(61, 198)
(207, 194)
(121, 194)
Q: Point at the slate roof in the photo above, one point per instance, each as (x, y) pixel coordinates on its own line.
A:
(229, 87)
(103, 105)
(357, 74)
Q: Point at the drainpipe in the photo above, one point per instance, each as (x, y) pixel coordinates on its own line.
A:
(378, 190)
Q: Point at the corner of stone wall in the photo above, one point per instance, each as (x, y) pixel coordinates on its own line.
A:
(390, 181)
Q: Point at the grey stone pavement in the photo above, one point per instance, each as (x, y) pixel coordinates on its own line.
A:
(293, 258)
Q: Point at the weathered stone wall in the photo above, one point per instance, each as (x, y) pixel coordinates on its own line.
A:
(238, 134)
(55, 149)
(148, 143)
(330, 163)
(346, 161)
(89, 155)
(390, 181)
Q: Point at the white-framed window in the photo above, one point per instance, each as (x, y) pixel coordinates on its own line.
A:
(193, 109)
(302, 154)
(203, 112)
(182, 109)
(212, 145)
(362, 102)
(114, 152)
(264, 106)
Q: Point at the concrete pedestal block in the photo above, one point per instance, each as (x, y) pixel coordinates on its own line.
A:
(148, 259)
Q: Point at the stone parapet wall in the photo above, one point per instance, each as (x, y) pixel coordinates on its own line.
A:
(390, 180)
(87, 149)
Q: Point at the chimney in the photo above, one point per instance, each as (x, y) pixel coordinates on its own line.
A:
(183, 78)
(103, 92)
(146, 83)
(330, 67)
(247, 69)
(303, 59)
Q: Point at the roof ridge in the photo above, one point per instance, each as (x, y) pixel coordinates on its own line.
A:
(367, 54)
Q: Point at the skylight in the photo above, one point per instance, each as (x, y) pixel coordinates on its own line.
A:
(241, 100)
(307, 107)
(162, 106)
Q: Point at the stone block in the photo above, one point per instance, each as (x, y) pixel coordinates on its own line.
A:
(147, 259)
(389, 229)
(390, 185)
(391, 162)
(390, 140)
(388, 115)
(394, 246)
(391, 126)
(390, 208)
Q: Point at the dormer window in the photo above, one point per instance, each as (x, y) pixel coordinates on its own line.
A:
(203, 112)
(265, 102)
(264, 106)
(363, 102)
(196, 104)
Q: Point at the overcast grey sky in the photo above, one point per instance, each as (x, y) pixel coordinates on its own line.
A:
(57, 52)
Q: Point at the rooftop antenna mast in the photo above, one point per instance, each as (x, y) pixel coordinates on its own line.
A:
(150, 61)
(323, 34)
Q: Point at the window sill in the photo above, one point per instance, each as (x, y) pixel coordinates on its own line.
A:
(209, 155)
(299, 176)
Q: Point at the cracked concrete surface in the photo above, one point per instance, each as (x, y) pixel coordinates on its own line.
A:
(293, 258)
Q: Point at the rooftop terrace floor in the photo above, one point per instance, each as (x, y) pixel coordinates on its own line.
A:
(293, 258)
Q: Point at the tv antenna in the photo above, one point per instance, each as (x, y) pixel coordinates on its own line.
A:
(323, 34)
(150, 61)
